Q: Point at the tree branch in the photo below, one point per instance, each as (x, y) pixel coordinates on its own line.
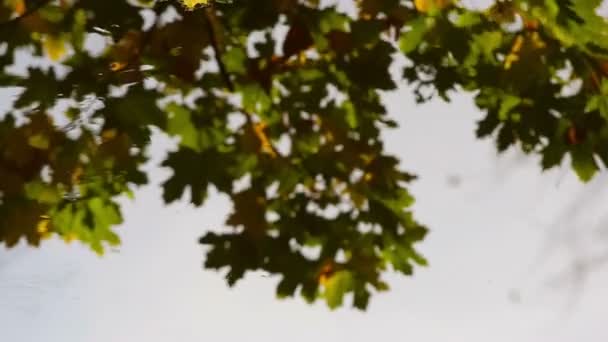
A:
(217, 49)
(209, 18)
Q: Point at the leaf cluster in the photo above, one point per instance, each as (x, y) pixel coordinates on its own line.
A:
(295, 117)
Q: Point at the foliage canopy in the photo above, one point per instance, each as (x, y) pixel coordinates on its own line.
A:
(285, 97)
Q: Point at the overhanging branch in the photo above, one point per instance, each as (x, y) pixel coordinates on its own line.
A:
(213, 34)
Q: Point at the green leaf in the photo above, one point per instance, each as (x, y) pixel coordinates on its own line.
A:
(255, 99)
(43, 193)
(234, 59)
(412, 38)
(180, 124)
(336, 286)
(508, 103)
(468, 19)
(351, 115)
(583, 163)
(81, 131)
(39, 141)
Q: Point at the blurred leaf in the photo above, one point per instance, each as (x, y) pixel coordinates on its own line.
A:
(288, 127)
(336, 287)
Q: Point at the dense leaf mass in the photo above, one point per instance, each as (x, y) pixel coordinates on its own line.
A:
(277, 104)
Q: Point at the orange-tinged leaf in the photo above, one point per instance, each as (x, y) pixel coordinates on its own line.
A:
(117, 66)
(326, 272)
(514, 55)
(426, 6)
(19, 6)
(531, 24)
(266, 146)
(109, 134)
(574, 135)
(77, 174)
(603, 66)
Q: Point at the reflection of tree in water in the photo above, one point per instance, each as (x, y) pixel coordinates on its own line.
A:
(574, 248)
(569, 217)
(27, 294)
(580, 233)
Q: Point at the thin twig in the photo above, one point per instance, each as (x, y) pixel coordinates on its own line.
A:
(217, 49)
(209, 17)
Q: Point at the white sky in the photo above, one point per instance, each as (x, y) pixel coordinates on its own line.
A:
(497, 241)
(510, 253)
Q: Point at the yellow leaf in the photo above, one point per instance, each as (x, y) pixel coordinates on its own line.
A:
(302, 58)
(39, 141)
(193, 4)
(69, 237)
(43, 225)
(264, 141)
(54, 47)
(426, 6)
(515, 49)
(519, 41)
(537, 41)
